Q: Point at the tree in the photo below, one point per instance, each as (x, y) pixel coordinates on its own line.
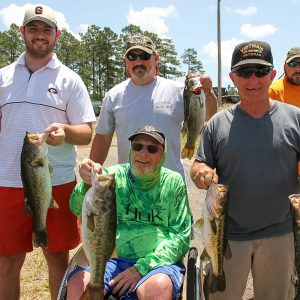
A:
(168, 61)
(189, 58)
(12, 45)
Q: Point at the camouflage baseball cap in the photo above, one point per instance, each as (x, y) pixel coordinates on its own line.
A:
(140, 42)
(293, 53)
(40, 13)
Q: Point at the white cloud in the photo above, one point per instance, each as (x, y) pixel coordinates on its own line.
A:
(15, 14)
(152, 18)
(83, 28)
(250, 10)
(12, 14)
(211, 50)
(258, 31)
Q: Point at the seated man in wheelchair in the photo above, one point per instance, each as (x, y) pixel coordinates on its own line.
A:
(153, 224)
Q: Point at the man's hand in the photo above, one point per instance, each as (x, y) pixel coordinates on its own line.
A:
(85, 168)
(57, 134)
(206, 83)
(202, 175)
(125, 281)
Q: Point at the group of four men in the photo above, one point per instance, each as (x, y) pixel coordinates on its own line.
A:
(253, 147)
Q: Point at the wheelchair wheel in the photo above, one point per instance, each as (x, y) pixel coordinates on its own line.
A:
(193, 285)
(62, 294)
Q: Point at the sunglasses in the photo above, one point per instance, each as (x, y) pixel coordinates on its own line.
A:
(258, 72)
(142, 56)
(150, 148)
(293, 64)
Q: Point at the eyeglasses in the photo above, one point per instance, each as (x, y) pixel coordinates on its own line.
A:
(142, 56)
(138, 147)
(247, 73)
(293, 64)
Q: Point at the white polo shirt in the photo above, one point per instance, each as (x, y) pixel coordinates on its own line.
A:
(53, 94)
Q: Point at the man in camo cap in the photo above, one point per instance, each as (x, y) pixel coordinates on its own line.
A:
(145, 98)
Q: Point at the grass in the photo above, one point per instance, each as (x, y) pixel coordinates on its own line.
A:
(34, 274)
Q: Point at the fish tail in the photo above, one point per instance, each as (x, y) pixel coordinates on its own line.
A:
(187, 152)
(40, 238)
(217, 283)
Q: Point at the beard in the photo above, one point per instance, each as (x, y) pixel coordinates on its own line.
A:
(39, 52)
(294, 79)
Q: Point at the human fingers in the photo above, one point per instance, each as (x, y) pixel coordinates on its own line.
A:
(84, 169)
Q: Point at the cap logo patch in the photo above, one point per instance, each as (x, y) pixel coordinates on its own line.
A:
(252, 50)
(149, 128)
(39, 10)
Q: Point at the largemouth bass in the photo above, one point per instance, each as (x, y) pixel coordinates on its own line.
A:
(212, 225)
(194, 114)
(295, 205)
(36, 178)
(99, 221)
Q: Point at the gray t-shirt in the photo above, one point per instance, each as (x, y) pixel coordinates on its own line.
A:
(257, 158)
(127, 107)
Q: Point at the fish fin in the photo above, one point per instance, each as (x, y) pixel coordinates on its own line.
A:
(207, 274)
(184, 152)
(199, 223)
(204, 255)
(227, 251)
(92, 292)
(91, 223)
(38, 162)
(114, 254)
(40, 238)
(27, 207)
(53, 203)
(184, 129)
(81, 259)
(217, 283)
(50, 169)
(213, 226)
(191, 152)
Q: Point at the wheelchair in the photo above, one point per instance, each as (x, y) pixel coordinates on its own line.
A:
(193, 278)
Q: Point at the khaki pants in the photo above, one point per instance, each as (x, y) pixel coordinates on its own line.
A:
(271, 261)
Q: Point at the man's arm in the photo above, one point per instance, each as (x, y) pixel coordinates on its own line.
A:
(73, 134)
(202, 175)
(100, 147)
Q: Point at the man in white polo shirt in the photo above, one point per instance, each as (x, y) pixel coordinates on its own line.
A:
(38, 93)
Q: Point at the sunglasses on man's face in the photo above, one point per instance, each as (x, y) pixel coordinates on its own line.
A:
(248, 72)
(150, 148)
(142, 56)
(293, 64)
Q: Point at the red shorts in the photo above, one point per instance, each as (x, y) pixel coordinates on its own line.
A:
(16, 226)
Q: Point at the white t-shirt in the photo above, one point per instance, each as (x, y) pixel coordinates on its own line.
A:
(53, 94)
(127, 107)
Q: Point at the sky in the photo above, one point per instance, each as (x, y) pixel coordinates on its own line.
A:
(189, 23)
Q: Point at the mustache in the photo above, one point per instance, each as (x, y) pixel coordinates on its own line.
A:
(296, 73)
(138, 66)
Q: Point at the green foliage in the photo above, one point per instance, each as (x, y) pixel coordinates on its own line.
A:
(11, 45)
(98, 55)
(189, 58)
